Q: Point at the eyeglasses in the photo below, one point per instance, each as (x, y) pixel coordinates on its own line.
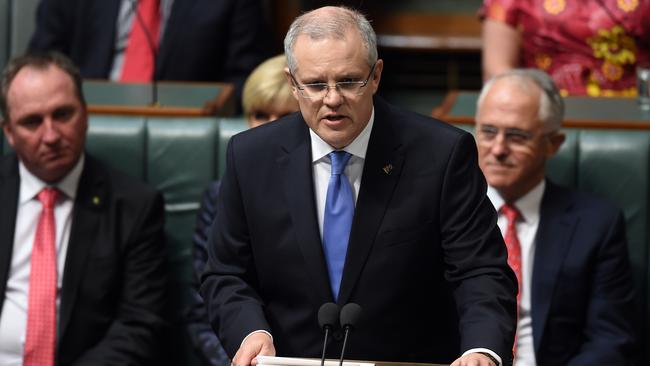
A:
(316, 91)
(487, 134)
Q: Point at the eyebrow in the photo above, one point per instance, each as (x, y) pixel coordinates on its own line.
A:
(320, 78)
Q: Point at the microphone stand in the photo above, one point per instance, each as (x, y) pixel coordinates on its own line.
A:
(328, 315)
(322, 357)
(345, 342)
(350, 314)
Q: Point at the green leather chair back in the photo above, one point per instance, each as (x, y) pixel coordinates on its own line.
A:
(23, 24)
(4, 32)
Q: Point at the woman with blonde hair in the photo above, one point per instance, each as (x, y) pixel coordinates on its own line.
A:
(267, 94)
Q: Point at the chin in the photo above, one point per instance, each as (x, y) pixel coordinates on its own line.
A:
(499, 183)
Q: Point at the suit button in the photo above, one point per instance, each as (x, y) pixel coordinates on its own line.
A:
(338, 335)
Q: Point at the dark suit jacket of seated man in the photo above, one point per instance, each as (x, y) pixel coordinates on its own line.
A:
(425, 259)
(111, 269)
(577, 300)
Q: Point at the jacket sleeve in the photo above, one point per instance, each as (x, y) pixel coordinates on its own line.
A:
(204, 341)
(484, 286)
(228, 286)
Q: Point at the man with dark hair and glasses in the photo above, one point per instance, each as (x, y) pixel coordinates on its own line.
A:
(567, 248)
(356, 201)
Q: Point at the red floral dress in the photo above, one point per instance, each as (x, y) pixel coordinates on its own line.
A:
(589, 47)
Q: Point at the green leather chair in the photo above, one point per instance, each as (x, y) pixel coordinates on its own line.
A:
(23, 24)
(4, 32)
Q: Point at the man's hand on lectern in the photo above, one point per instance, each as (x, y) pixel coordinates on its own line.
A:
(256, 344)
(474, 359)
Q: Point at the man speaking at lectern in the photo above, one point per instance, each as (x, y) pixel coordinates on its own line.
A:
(354, 200)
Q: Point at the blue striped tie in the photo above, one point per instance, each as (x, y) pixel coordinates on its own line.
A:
(339, 210)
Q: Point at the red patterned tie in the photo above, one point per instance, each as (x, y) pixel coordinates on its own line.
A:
(139, 58)
(40, 341)
(512, 242)
(514, 251)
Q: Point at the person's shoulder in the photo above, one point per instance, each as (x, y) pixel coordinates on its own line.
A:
(412, 124)
(8, 164)
(286, 128)
(120, 184)
(582, 201)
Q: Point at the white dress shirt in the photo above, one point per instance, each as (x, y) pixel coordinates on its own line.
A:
(529, 207)
(13, 319)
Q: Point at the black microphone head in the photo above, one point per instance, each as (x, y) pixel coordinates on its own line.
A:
(328, 315)
(350, 315)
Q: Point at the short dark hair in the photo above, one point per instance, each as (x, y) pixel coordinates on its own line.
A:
(39, 61)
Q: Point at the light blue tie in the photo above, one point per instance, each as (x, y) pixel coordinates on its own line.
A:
(339, 210)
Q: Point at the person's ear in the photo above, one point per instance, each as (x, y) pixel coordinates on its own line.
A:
(294, 89)
(6, 129)
(555, 141)
(375, 78)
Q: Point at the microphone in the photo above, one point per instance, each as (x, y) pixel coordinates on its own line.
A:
(328, 315)
(152, 47)
(350, 315)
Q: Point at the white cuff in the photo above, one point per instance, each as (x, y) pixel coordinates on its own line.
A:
(253, 332)
(477, 350)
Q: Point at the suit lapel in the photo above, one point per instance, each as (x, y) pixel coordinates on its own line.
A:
(9, 189)
(298, 187)
(377, 184)
(552, 243)
(89, 207)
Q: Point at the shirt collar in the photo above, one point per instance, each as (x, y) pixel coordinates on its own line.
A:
(528, 205)
(358, 147)
(31, 185)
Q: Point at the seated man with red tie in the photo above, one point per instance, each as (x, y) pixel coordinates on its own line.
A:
(82, 262)
(144, 40)
(568, 249)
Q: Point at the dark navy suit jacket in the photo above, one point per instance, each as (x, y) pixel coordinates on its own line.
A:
(582, 300)
(425, 259)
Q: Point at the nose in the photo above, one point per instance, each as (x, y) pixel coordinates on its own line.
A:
(51, 134)
(333, 96)
(500, 147)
